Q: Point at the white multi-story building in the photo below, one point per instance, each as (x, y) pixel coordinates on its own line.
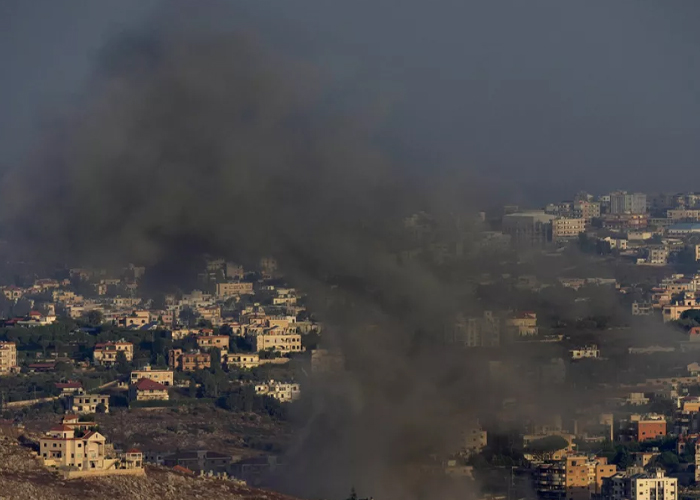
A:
(281, 391)
(642, 486)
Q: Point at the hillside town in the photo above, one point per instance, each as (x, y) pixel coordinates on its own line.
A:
(594, 301)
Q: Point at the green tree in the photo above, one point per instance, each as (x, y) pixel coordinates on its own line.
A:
(94, 318)
(101, 408)
(123, 366)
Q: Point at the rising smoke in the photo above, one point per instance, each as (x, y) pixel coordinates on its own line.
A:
(189, 142)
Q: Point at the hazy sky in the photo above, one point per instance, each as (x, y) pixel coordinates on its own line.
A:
(542, 95)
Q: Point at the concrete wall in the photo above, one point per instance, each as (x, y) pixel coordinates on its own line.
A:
(73, 474)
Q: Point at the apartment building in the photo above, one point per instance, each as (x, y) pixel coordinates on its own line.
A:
(106, 353)
(283, 392)
(564, 229)
(230, 289)
(188, 361)
(475, 332)
(82, 403)
(164, 377)
(642, 308)
(524, 324)
(277, 341)
(210, 341)
(575, 477)
(241, 360)
(622, 202)
(682, 214)
(528, 229)
(635, 484)
(648, 427)
(587, 210)
(8, 358)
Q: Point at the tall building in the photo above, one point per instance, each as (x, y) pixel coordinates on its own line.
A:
(8, 358)
(528, 229)
(576, 477)
(622, 202)
(564, 229)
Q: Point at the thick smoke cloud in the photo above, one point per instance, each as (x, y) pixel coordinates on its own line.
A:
(193, 141)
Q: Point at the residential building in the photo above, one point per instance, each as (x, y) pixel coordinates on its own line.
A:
(673, 312)
(587, 210)
(83, 403)
(106, 353)
(476, 332)
(8, 358)
(625, 222)
(277, 341)
(528, 229)
(635, 484)
(230, 289)
(283, 392)
(188, 361)
(642, 308)
(524, 324)
(564, 229)
(209, 341)
(575, 477)
(148, 390)
(622, 202)
(683, 228)
(475, 438)
(589, 351)
(164, 377)
(242, 360)
(682, 214)
(61, 448)
(697, 461)
(199, 461)
(649, 427)
(658, 255)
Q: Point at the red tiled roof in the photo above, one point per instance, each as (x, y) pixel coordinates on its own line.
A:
(146, 384)
(184, 470)
(61, 427)
(133, 450)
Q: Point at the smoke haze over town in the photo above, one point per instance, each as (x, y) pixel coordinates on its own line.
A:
(420, 201)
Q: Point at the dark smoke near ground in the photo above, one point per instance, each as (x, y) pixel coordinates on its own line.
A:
(190, 143)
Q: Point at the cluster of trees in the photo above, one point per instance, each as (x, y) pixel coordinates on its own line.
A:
(244, 399)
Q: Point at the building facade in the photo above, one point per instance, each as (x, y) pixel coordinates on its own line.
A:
(8, 358)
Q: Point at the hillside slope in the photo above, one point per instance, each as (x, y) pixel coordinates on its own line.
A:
(23, 477)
